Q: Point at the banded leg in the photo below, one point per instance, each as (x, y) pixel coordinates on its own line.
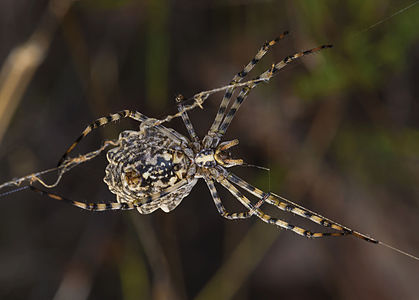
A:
(236, 79)
(186, 120)
(266, 76)
(112, 118)
(278, 222)
(113, 205)
(87, 206)
(289, 206)
(222, 210)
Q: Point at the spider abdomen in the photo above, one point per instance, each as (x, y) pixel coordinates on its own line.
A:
(146, 163)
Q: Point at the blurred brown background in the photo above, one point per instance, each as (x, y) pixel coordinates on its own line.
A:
(339, 131)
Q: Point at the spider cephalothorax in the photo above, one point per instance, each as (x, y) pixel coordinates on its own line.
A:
(211, 157)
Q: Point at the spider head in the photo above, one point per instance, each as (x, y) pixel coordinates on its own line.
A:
(223, 157)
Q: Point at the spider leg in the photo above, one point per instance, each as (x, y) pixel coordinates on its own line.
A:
(236, 79)
(112, 205)
(186, 120)
(289, 206)
(222, 210)
(270, 220)
(87, 206)
(112, 118)
(266, 76)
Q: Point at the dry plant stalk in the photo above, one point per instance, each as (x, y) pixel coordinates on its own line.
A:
(24, 60)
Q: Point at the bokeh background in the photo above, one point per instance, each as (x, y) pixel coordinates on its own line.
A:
(339, 131)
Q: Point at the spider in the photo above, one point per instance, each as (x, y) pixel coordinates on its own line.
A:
(156, 167)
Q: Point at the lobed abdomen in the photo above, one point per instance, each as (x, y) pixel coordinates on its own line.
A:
(144, 165)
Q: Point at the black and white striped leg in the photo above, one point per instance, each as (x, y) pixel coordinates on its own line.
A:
(266, 76)
(270, 220)
(236, 79)
(222, 210)
(186, 120)
(234, 107)
(113, 205)
(87, 206)
(289, 206)
(112, 118)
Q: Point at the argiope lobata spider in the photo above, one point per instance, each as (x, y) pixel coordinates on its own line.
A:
(156, 167)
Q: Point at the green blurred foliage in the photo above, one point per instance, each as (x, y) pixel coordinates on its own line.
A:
(375, 156)
(364, 57)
